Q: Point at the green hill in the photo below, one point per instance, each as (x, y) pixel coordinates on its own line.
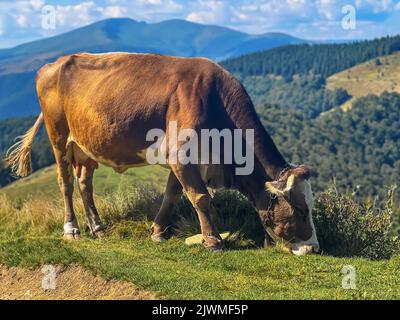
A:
(372, 77)
(44, 181)
(294, 77)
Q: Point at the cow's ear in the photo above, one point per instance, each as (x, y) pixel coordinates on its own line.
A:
(280, 188)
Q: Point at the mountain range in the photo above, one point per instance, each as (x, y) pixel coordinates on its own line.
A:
(18, 65)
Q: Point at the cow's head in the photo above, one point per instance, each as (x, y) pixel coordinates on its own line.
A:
(289, 215)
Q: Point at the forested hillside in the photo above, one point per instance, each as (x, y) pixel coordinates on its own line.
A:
(359, 148)
(321, 59)
(295, 76)
(306, 93)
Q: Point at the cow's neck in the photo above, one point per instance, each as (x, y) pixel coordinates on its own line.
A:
(243, 115)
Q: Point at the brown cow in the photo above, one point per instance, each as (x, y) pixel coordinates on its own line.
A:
(97, 108)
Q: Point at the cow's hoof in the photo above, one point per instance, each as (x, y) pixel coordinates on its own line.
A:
(71, 231)
(213, 243)
(98, 232)
(101, 234)
(159, 234)
(71, 236)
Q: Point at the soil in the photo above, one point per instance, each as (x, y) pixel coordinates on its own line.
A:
(71, 283)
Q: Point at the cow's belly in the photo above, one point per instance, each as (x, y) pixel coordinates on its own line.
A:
(132, 158)
(111, 139)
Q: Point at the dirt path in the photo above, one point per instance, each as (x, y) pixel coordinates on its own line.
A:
(71, 283)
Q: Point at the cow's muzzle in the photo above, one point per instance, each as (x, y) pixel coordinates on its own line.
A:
(303, 249)
(298, 249)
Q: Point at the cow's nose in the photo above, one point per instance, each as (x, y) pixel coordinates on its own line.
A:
(305, 249)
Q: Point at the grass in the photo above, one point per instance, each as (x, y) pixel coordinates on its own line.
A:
(368, 78)
(30, 236)
(44, 181)
(180, 272)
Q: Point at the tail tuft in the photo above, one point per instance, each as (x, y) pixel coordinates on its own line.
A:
(18, 157)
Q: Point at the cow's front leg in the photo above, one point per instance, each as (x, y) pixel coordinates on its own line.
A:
(197, 193)
(160, 227)
(85, 186)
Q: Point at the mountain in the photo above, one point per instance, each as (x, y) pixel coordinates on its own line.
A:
(18, 65)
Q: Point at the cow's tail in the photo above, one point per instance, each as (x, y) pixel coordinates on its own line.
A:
(18, 157)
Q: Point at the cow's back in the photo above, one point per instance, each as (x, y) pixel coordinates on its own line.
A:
(110, 101)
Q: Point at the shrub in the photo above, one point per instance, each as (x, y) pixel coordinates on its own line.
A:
(348, 228)
(233, 214)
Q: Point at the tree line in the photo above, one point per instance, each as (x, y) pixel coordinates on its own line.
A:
(303, 59)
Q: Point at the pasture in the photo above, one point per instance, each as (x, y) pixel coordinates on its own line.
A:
(31, 216)
(372, 77)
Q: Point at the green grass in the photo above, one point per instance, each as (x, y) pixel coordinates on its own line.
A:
(180, 272)
(368, 78)
(44, 182)
(30, 236)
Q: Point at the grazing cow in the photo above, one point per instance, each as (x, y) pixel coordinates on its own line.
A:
(97, 108)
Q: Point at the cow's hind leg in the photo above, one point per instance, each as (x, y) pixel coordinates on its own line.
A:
(85, 186)
(197, 193)
(160, 227)
(63, 155)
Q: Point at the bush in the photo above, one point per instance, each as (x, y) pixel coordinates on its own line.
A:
(396, 223)
(347, 228)
(233, 214)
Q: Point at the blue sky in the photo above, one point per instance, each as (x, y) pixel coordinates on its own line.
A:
(21, 20)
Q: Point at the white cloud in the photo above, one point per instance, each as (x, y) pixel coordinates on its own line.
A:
(21, 20)
(375, 6)
(327, 8)
(209, 11)
(114, 11)
(76, 15)
(1, 26)
(37, 4)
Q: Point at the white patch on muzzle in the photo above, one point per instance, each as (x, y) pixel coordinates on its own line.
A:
(311, 245)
